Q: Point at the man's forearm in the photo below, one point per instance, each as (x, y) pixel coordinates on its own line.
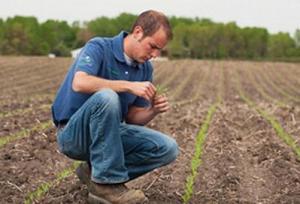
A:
(85, 83)
(141, 116)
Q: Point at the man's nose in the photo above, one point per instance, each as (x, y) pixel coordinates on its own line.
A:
(155, 53)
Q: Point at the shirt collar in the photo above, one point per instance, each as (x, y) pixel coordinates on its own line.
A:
(118, 49)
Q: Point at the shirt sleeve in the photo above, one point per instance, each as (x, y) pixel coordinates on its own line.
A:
(139, 101)
(90, 58)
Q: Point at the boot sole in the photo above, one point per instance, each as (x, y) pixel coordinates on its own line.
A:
(93, 199)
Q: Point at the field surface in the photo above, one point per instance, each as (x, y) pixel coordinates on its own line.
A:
(237, 124)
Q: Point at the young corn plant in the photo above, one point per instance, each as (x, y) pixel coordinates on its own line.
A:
(161, 90)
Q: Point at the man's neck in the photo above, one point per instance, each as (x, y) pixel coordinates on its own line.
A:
(129, 61)
(127, 46)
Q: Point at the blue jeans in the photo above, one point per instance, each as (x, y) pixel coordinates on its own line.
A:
(117, 151)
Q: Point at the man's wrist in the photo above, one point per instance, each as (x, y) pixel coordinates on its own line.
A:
(120, 85)
(126, 86)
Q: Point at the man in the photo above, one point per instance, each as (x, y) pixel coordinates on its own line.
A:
(102, 105)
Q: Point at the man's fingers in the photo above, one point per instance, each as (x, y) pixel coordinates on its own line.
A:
(151, 89)
(160, 99)
(149, 93)
(145, 90)
(161, 105)
(162, 108)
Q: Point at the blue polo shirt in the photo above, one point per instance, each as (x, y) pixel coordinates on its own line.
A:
(102, 57)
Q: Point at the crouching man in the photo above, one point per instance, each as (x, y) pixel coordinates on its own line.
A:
(103, 104)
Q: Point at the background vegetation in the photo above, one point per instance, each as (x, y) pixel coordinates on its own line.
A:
(193, 38)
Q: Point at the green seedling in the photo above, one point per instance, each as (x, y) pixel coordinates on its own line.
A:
(36, 195)
(197, 157)
(161, 90)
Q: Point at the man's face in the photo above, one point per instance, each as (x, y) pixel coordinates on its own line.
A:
(150, 46)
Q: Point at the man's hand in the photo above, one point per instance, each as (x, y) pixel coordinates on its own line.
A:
(160, 104)
(143, 89)
(141, 116)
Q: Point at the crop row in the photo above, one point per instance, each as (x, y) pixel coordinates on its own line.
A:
(23, 111)
(278, 89)
(18, 68)
(283, 79)
(196, 160)
(25, 132)
(39, 192)
(260, 90)
(200, 139)
(288, 139)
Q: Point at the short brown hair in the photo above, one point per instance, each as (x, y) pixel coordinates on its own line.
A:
(150, 21)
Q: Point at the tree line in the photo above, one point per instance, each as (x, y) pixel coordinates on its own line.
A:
(193, 38)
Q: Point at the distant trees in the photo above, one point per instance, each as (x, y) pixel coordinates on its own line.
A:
(205, 39)
(105, 26)
(20, 35)
(25, 36)
(281, 45)
(193, 38)
(297, 37)
(59, 36)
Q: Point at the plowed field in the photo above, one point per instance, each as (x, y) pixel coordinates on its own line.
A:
(237, 124)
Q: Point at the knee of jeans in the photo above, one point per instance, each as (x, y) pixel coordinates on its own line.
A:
(171, 150)
(107, 97)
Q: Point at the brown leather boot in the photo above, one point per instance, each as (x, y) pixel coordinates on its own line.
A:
(114, 194)
(83, 172)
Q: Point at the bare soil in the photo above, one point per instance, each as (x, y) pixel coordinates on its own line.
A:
(244, 160)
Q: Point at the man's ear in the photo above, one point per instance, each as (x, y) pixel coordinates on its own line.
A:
(138, 33)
